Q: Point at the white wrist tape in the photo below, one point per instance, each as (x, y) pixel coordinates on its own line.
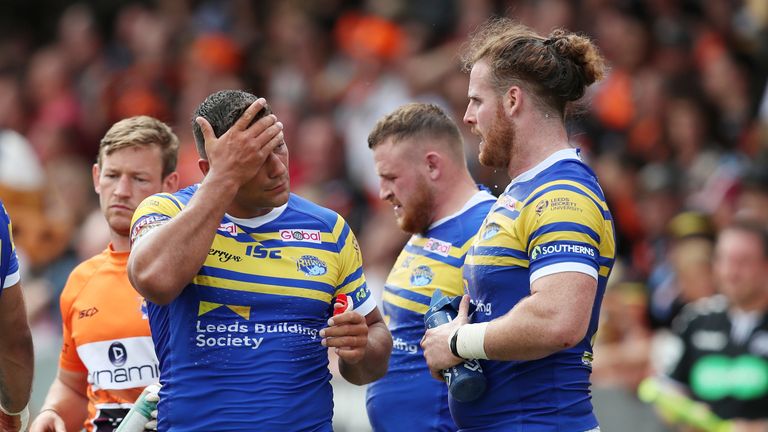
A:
(24, 414)
(6, 412)
(470, 341)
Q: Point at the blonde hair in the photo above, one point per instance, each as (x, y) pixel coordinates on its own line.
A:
(142, 131)
(557, 69)
(416, 120)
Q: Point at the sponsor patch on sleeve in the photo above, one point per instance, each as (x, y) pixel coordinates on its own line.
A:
(541, 251)
(147, 224)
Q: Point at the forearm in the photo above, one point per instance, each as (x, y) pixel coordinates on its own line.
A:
(68, 403)
(527, 332)
(374, 364)
(168, 258)
(16, 353)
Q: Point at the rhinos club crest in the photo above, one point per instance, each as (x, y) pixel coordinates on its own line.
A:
(422, 275)
(491, 230)
(311, 265)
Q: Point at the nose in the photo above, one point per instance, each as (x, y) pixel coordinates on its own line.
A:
(469, 115)
(384, 192)
(123, 187)
(275, 166)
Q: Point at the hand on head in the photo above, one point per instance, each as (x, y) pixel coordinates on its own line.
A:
(240, 152)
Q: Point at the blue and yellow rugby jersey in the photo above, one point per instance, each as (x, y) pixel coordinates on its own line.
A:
(550, 219)
(428, 262)
(9, 263)
(239, 349)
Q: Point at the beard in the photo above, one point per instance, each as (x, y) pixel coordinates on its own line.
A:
(417, 214)
(498, 143)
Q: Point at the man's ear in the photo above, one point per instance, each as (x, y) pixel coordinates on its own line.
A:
(171, 182)
(434, 163)
(204, 166)
(95, 171)
(512, 101)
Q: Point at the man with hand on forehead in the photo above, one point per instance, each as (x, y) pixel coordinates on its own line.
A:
(240, 277)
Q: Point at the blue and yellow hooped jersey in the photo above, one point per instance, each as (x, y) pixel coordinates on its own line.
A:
(429, 261)
(239, 349)
(550, 219)
(9, 263)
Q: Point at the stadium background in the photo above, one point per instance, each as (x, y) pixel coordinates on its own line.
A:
(677, 132)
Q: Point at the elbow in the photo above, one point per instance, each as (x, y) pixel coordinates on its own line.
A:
(386, 352)
(380, 370)
(567, 335)
(372, 374)
(376, 375)
(150, 284)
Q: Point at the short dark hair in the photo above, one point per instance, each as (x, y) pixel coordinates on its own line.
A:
(417, 120)
(222, 109)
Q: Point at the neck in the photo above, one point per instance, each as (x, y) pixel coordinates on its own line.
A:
(454, 191)
(120, 243)
(535, 143)
(244, 210)
(759, 304)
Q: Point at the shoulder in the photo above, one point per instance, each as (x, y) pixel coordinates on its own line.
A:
(5, 222)
(306, 212)
(82, 274)
(573, 173)
(699, 311)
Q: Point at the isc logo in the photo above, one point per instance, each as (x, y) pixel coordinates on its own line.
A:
(262, 252)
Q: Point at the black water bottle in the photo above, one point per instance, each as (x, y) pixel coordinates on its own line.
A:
(466, 381)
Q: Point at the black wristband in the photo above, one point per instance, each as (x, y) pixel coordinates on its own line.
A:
(452, 344)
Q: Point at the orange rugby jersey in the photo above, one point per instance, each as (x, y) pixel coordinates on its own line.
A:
(106, 334)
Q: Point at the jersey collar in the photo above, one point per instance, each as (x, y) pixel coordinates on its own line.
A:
(552, 159)
(258, 221)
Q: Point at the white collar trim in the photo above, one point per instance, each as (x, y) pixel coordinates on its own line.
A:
(565, 154)
(477, 198)
(258, 221)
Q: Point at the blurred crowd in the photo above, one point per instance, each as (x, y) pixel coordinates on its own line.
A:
(677, 132)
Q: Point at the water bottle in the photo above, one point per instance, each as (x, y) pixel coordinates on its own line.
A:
(466, 381)
(141, 413)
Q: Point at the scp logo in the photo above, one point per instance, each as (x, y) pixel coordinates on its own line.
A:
(310, 236)
(117, 354)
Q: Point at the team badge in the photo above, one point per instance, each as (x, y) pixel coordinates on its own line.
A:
(491, 230)
(541, 206)
(311, 265)
(422, 275)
